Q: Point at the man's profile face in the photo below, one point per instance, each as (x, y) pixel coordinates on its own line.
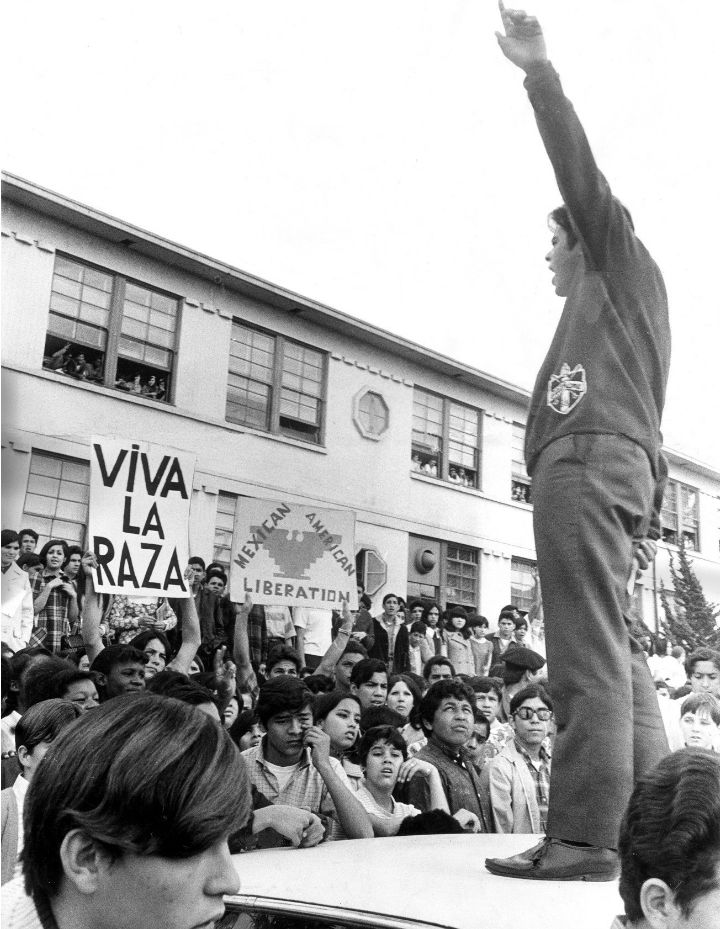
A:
(705, 678)
(128, 677)
(439, 672)
(374, 691)
(343, 669)
(563, 261)
(284, 667)
(285, 733)
(167, 893)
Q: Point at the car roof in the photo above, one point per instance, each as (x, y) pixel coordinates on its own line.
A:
(437, 880)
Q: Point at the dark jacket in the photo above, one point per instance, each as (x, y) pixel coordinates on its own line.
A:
(379, 650)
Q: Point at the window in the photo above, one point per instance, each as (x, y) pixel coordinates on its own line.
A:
(443, 572)
(462, 576)
(371, 414)
(522, 583)
(56, 502)
(445, 439)
(679, 515)
(371, 570)
(224, 524)
(520, 481)
(106, 329)
(275, 384)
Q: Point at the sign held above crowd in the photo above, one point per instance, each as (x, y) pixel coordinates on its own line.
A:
(293, 555)
(139, 517)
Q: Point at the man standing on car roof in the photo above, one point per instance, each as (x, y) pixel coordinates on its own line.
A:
(593, 450)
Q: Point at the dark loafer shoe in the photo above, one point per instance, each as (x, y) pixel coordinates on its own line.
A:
(554, 860)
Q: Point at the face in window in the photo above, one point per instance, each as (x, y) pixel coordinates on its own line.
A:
(157, 658)
(9, 553)
(705, 678)
(699, 730)
(453, 722)
(400, 699)
(285, 733)
(382, 766)
(125, 678)
(83, 694)
(374, 691)
(342, 724)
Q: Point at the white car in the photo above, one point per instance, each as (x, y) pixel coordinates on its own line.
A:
(413, 882)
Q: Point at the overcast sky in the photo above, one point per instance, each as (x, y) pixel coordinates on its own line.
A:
(382, 157)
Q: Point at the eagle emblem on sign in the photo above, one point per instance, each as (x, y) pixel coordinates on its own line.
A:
(566, 389)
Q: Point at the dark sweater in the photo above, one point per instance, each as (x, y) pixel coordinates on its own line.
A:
(615, 321)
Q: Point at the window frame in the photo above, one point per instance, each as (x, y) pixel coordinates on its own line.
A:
(440, 591)
(520, 480)
(444, 463)
(274, 426)
(530, 564)
(27, 518)
(680, 528)
(114, 332)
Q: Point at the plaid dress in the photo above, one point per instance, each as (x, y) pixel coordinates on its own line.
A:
(54, 618)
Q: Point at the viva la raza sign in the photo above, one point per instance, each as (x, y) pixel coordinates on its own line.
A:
(293, 555)
(139, 517)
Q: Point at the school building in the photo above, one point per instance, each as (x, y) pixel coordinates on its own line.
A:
(111, 330)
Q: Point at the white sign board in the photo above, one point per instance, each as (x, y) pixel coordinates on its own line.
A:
(139, 517)
(293, 555)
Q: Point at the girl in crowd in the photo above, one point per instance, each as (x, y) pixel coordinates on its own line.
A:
(481, 648)
(156, 646)
(56, 605)
(338, 715)
(459, 649)
(35, 732)
(404, 697)
(431, 618)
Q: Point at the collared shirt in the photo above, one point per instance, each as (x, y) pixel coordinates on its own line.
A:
(19, 788)
(54, 617)
(306, 789)
(459, 779)
(540, 772)
(398, 810)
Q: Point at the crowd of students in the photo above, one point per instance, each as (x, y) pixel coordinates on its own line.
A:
(348, 725)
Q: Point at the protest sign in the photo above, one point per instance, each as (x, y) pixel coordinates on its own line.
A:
(293, 555)
(139, 517)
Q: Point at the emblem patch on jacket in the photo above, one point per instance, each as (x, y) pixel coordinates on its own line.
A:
(566, 389)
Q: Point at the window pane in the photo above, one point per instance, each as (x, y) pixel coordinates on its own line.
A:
(44, 464)
(44, 506)
(66, 305)
(94, 315)
(134, 328)
(63, 285)
(137, 294)
(55, 507)
(67, 268)
(135, 311)
(462, 575)
(91, 335)
(130, 349)
(521, 583)
(248, 403)
(95, 297)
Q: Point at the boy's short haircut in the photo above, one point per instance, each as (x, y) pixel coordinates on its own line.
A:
(183, 689)
(319, 683)
(135, 788)
(164, 681)
(671, 831)
(377, 734)
(58, 684)
(702, 654)
(486, 685)
(216, 572)
(196, 559)
(437, 660)
(388, 596)
(381, 716)
(283, 694)
(532, 692)
(433, 822)
(282, 653)
(365, 669)
(115, 655)
(355, 648)
(365, 602)
(415, 604)
(326, 703)
(37, 685)
(696, 702)
(439, 691)
(29, 560)
(44, 722)
(30, 532)
(419, 626)
(521, 623)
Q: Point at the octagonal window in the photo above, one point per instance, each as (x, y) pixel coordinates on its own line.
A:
(372, 415)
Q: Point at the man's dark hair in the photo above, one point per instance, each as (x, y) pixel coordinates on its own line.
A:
(364, 670)
(671, 830)
(439, 691)
(133, 788)
(38, 681)
(377, 734)
(354, 648)
(521, 623)
(381, 716)
(196, 559)
(114, 655)
(436, 660)
(415, 604)
(560, 216)
(44, 722)
(48, 545)
(511, 674)
(702, 654)
(165, 681)
(486, 685)
(319, 683)
(434, 822)
(56, 684)
(141, 640)
(507, 612)
(694, 702)
(216, 572)
(282, 694)
(530, 693)
(282, 653)
(179, 687)
(365, 602)
(28, 559)
(387, 597)
(30, 532)
(418, 626)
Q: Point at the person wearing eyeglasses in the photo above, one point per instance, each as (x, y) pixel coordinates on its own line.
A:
(515, 785)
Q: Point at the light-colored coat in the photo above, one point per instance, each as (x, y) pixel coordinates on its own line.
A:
(17, 608)
(508, 793)
(460, 653)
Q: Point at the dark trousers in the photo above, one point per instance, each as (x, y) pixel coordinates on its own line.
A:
(592, 494)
